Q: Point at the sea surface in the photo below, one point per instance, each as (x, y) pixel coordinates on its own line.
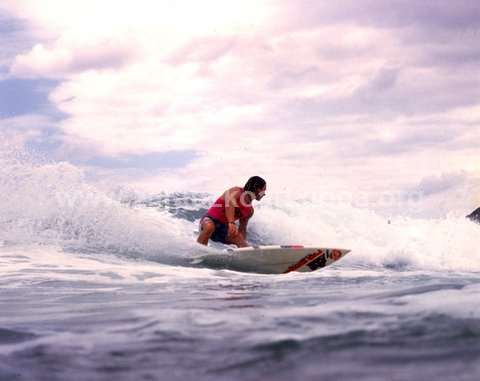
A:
(99, 285)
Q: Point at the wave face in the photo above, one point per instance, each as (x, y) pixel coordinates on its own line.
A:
(54, 204)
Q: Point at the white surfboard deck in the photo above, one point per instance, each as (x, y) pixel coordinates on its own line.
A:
(273, 259)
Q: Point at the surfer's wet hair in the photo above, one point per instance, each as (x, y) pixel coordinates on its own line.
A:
(254, 183)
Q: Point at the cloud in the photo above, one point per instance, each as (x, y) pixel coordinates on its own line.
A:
(381, 14)
(436, 184)
(19, 130)
(333, 91)
(14, 37)
(42, 62)
(446, 194)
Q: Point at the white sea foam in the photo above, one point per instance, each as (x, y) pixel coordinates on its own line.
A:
(441, 244)
(53, 204)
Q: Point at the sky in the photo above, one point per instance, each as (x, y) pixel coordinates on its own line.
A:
(360, 96)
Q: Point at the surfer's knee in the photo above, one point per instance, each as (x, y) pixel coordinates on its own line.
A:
(208, 226)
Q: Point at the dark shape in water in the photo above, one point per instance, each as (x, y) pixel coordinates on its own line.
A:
(475, 215)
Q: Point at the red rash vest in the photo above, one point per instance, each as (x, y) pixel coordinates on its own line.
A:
(217, 210)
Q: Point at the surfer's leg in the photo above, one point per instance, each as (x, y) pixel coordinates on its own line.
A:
(207, 227)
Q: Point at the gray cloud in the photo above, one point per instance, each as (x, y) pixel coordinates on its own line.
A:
(394, 92)
(111, 57)
(432, 33)
(413, 139)
(437, 184)
(387, 14)
(382, 82)
(14, 38)
(288, 77)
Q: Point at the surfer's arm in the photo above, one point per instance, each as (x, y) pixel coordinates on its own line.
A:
(243, 227)
(230, 203)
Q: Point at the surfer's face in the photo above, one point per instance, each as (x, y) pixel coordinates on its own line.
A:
(260, 193)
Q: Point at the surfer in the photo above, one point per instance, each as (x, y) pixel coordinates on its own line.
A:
(219, 225)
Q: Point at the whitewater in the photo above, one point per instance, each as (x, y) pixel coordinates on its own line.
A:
(98, 282)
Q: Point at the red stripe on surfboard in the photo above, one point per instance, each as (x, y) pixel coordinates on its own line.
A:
(302, 262)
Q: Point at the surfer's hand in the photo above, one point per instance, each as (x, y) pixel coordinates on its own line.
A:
(232, 230)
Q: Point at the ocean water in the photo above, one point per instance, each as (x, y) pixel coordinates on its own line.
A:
(96, 284)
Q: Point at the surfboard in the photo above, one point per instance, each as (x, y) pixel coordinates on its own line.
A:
(272, 259)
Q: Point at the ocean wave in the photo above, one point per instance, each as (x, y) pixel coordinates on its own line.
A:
(54, 204)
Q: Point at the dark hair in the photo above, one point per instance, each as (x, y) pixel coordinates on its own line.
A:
(254, 183)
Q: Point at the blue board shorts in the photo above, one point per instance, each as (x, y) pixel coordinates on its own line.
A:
(221, 230)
